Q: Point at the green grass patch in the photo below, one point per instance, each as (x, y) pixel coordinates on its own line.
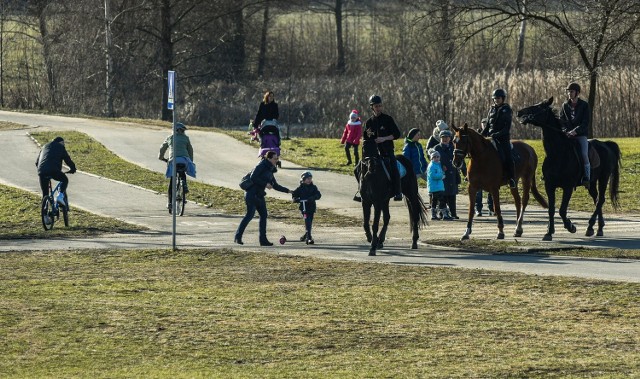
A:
(20, 218)
(6, 125)
(91, 156)
(220, 313)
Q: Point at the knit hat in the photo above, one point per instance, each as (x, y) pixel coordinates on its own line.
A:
(445, 133)
(412, 133)
(433, 154)
(442, 125)
(354, 115)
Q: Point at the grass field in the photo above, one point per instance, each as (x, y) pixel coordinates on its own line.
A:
(221, 313)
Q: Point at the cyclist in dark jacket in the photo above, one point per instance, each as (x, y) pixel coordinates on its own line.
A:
(383, 129)
(499, 129)
(49, 163)
(262, 178)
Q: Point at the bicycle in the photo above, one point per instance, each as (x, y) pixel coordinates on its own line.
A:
(50, 208)
(181, 185)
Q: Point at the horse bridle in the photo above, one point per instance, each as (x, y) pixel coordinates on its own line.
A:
(534, 115)
(459, 152)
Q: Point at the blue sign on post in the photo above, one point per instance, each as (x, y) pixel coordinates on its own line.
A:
(171, 81)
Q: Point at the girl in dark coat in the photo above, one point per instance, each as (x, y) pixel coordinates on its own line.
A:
(262, 178)
(445, 148)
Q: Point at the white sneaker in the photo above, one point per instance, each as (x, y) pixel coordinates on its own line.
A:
(60, 199)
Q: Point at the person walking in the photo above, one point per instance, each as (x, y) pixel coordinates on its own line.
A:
(267, 111)
(351, 137)
(262, 178)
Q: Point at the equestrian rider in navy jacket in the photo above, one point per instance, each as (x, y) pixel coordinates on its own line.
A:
(381, 128)
(499, 129)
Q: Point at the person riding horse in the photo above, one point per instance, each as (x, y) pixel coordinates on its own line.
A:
(574, 116)
(499, 129)
(382, 129)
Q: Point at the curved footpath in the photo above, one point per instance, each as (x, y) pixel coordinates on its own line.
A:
(223, 160)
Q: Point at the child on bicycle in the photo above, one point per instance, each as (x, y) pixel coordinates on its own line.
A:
(307, 194)
(183, 151)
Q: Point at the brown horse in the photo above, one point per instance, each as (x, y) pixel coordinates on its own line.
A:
(485, 172)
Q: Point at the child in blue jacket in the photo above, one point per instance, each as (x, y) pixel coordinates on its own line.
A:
(435, 184)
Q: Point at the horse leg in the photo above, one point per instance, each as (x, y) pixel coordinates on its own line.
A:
(592, 220)
(376, 224)
(551, 196)
(564, 207)
(496, 206)
(519, 207)
(472, 198)
(366, 212)
(602, 190)
(386, 216)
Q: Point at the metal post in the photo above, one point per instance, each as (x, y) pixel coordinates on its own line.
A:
(174, 182)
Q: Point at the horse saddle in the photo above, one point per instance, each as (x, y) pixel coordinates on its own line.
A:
(594, 157)
(514, 153)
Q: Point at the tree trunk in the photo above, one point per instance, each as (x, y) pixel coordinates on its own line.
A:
(263, 40)
(521, 38)
(239, 56)
(46, 52)
(340, 63)
(166, 54)
(109, 62)
(593, 87)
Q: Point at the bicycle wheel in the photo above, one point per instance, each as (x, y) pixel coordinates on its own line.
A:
(65, 210)
(181, 198)
(46, 213)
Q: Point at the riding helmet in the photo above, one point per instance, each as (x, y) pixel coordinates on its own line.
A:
(573, 87)
(375, 99)
(499, 93)
(180, 125)
(306, 174)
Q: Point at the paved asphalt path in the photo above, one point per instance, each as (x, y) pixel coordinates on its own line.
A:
(223, 160)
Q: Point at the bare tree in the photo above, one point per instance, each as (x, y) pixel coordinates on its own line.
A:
(598, 30)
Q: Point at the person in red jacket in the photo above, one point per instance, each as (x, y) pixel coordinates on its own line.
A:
(351, 136)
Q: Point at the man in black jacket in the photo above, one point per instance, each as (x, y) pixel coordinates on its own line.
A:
(49, 163)
(382, 128)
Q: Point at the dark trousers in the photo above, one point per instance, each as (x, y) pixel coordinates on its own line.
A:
(308, 222)
(438, 200)
(479, 201)
(356, 153)
(58, 176)
(450, 200)
(254, 203)
(505, 148)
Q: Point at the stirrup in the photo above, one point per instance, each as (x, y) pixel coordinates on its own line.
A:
(512, 183)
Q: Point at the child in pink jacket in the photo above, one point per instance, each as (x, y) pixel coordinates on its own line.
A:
(351, 136)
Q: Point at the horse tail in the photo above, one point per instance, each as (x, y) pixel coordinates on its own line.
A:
(413, 200)
(534, 189)
(614, 180)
